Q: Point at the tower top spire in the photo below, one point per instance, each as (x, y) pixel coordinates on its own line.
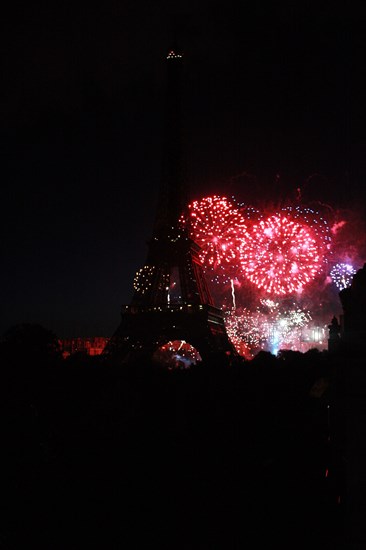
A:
(173, 194)
(173, 54)
(172, 301)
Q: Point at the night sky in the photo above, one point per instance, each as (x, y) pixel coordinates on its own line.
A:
(274, 99)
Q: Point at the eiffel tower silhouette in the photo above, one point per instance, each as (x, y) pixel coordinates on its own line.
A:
(171, 301)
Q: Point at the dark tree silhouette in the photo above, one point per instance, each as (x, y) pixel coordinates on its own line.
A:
(30, 342)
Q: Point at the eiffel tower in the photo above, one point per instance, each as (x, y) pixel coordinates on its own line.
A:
(171, 301)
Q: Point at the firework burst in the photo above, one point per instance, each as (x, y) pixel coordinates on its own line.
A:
(342, 275)
(283, 257)
(220, 230)
(177, 354)
(261, 258)
(143, 279)
(318, 224)
(244, 330)
(269, 327)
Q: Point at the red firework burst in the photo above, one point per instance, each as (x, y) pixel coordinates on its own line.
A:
(220, 230)
(312, 218)
(283, 256)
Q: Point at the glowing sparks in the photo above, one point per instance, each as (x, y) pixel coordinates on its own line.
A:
(219, 229)
(177, 354)
(243, 331)
(265, 267)
(316, 222)
(143, 279)
(233, 293)
(283, 256)
(267, 329)
(342, 275)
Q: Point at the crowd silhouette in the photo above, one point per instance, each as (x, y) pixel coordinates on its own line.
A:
(136, 455)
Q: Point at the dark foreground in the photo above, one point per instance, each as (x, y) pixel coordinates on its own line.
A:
(215, 458)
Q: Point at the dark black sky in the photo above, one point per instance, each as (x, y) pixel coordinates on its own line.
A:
(274, 100)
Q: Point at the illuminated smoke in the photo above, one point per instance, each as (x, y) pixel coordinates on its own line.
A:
(337, 226)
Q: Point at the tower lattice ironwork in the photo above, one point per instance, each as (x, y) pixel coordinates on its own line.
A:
(171, 300)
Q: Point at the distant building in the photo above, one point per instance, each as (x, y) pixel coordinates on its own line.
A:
(334, 340)
(89, 346)
(349, 412)
(353, 320)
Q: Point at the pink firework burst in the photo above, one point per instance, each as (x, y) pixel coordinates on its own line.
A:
(283, 256)
(319, 225)
(220, 230)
